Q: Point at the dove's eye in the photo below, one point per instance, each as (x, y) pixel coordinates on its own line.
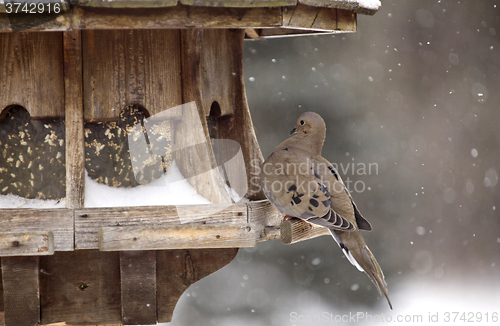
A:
(302, 122)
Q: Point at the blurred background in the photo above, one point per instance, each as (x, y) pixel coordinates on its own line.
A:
(416, 93)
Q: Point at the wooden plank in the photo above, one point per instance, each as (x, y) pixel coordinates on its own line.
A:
(127, 3)
(26, 243)
(192, 149)
(80, 288)
(301, 16)
(264, 219)
(73, 99)
(211, 58)
(58, 221)
(186, 236)
(239, 3)
(235, 124)
(179, 16)
(350, 5)
(138, 287)
(89, 220)
(346, 21)
(1, 300)
(31, 73)
(21, 290)
(130, 67)
(178, 269)
(296, 230)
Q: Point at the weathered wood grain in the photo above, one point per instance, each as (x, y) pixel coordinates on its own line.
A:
(89, 220)
(179, 16)
(1, 299)
(346, 20)
(127, 3)
(181, 268)
(35, 243)
(124, 67)
(21, 290)
(186, 236)
(296, 230)
(198, 163)
(138, 287)
(31, 73)
(73, 99)
(239, 3)
(193, 152)
(351, 5)
(80, 288)
(261, 216)
(238, 126)
(209, 68)
(58, 221)
(265, 219)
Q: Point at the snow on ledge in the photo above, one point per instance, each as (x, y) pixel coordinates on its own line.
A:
(169, 189)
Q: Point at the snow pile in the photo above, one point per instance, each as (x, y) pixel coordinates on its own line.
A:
(13, 201)
(370, 4)
(169, 189)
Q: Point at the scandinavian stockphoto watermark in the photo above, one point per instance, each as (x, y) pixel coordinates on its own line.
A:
(447, 317)
(351, 172)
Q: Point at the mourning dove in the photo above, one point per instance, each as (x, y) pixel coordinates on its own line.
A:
(300, 183)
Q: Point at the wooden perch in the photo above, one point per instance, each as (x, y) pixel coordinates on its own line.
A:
(295, 230)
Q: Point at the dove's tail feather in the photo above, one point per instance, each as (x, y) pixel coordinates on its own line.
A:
(357, 252)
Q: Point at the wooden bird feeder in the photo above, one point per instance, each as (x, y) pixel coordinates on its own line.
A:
(129, 265)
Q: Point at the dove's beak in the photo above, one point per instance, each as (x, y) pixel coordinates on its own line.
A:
(293, 132)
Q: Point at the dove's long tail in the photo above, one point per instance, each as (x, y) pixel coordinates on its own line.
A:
(357, 252)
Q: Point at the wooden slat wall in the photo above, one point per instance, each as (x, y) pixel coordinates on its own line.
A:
(21, 290)
(130, 67)
(81, 287)
(31, 73)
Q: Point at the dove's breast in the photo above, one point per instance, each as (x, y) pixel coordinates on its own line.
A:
(290, 181)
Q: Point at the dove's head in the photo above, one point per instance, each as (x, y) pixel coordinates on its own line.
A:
(311, 128)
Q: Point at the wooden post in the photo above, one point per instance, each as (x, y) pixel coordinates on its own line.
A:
(75, 151)
(138, 287)
(296, 230)
(21, 290)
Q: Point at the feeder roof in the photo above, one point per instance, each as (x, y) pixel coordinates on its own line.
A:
(367, 7)
(261, 18)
